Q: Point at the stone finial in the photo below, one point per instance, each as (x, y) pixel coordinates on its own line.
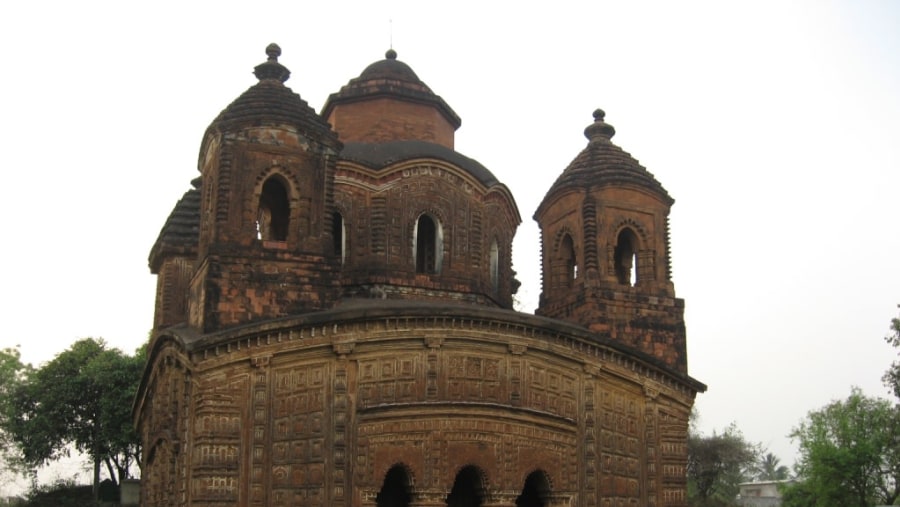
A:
(271, 69)
(274, 51)
(599, 130)
(390, 54)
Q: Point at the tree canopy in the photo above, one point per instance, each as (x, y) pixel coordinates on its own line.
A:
(892, 377)
(770, 468)
(717, 464)
(849, 454)
(81, 399)
(12, 373)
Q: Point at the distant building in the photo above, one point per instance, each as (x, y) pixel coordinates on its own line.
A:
(761, 494)
(334, 322)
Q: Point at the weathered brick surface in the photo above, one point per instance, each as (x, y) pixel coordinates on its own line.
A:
(300, 356)
(320, 408)
(387, 119)
(603, 194)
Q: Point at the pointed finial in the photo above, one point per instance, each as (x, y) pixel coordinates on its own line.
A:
(599, 130)
(391, 54)
(271, 69)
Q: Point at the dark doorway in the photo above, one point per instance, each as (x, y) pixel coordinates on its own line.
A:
(535, 491)
(395, 489)
(468, 489)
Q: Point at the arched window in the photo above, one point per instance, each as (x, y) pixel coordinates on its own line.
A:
(565, 267)
(429, 245)
(535, 491)
(395, 491)
(338, 235)
(273, 215)
(495, 266)
(625, 258)
(468, 489)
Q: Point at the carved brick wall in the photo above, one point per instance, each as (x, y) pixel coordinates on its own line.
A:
(294, 414)
(382, 208)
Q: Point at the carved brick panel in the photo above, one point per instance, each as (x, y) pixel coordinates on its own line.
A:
(218, 440)
(300, 429)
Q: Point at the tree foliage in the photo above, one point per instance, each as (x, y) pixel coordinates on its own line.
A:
(770, 468)
(892, 377)
(717, 464)
(849, 454)
(12, 373)
(81, 399)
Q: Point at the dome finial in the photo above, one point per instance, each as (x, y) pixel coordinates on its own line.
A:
(274, 51)
(271, 69)
(390, 54)
(599, 130)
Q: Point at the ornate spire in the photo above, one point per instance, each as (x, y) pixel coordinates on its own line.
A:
(271, 69)
(599, 130)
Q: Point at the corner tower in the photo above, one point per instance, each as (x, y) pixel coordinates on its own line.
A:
(267, 171)
(605, 251)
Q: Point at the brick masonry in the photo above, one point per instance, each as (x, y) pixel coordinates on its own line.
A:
(304, 353)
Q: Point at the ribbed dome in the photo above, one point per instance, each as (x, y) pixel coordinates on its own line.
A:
(390, 78)
(390, 68)
(271, 102)
(180, 234)
(380, 155)
(603, 163)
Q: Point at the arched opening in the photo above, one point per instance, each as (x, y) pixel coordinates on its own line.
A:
(338, 235)
(428, 240)
(565, 267)
(625, 258)
(273, 215)
(495, 266)
(468, 489)
(395, 490)
(535, 491)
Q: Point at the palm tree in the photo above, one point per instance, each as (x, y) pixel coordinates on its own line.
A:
(771, 470)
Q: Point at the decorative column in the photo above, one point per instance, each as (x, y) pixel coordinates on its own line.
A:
(340, 409)
(651, 440)
(259, 407)
(589, 438)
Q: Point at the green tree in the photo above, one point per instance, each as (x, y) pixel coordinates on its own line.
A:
(771, 469)
(892, 377)
(849, 453)
(717, 464)
(12, 373)
(82, 399)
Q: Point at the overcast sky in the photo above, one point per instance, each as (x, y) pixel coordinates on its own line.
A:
(774, 125)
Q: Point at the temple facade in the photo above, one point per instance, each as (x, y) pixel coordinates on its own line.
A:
(334, 319)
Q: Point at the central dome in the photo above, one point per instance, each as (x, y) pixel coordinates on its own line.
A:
(390, 68)
(388, 102)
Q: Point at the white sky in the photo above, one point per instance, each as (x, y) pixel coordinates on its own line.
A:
(775, 126)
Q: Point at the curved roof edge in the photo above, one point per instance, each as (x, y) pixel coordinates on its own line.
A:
(351, 311)
(380, 155)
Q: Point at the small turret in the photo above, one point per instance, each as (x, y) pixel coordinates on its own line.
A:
(605, 250)
(267, 167)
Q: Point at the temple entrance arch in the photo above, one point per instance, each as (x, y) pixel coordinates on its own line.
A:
(468, 488)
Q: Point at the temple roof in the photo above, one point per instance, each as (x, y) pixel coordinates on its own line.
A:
(271, 102)
(390, 78)
(603, 163)
(179, 236)
(381, 155)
